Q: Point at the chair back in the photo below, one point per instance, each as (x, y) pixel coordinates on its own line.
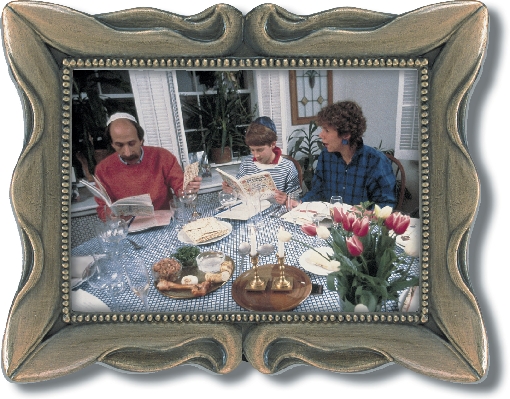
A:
(298, 168)
(400, 176)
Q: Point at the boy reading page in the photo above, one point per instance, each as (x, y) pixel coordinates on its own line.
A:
(266, 167)
(249, 185)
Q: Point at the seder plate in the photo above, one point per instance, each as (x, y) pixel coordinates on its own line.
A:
(186, 294)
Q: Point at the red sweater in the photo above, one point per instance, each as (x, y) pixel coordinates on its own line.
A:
(158, 171)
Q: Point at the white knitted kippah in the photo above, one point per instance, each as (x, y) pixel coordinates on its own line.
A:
(120, 115)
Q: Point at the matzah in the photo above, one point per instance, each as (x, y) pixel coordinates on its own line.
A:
(190, 172)
(204, 229)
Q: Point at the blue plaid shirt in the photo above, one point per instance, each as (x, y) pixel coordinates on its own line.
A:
(369, 177)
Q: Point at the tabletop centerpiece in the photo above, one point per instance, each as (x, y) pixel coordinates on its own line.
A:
(368, 271)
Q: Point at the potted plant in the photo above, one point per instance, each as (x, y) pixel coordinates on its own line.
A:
(305, 147)
(223, 114)
(90, 113)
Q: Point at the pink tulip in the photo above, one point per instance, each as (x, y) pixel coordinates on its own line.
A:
(401, 223)
(388, 222)
(360, 226)
(348, 220)
(338, 215)
(397, 222)
(309, 229)
(354, 246)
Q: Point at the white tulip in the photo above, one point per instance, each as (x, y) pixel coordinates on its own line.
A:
(382, 213)
(360, 308)
(323, 232)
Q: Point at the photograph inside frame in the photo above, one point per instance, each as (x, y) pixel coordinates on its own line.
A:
(246, 190)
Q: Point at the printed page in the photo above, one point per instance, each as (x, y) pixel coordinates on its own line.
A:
(232, 182)
(97, 190)
(262, 183)
(138, 205)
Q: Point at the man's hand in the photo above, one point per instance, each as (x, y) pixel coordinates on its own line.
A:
(194, 184)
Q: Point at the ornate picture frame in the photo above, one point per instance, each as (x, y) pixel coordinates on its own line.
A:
(436, 342)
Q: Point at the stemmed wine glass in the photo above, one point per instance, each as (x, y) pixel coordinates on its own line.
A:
(293, 202)
(112, 232)
(138, 278)
(336, 201)
(227, 198)
(106, 274)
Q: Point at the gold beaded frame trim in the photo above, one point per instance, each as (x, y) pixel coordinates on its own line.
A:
(421, 64)
(44, 42)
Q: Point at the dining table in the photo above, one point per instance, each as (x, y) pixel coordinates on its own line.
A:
(153, 244)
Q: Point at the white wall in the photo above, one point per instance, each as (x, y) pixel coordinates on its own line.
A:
(489, 142)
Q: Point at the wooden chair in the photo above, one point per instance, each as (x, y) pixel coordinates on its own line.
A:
(298, 168)
(400, 176)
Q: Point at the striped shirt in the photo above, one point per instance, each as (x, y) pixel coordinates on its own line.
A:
(284, 173)
(368, 177)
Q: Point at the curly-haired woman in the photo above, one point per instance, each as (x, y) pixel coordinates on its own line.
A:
(346, 166)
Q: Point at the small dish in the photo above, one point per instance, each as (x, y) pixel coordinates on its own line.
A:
(210, 261)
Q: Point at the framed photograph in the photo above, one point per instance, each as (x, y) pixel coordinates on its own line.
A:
(412, 75)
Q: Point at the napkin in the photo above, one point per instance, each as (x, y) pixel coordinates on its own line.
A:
(242, 211)
(82, 301)
(78, 265)
(302, 215)
(160, 218)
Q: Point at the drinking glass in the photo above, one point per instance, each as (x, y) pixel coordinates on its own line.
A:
(254, 203)
(227, 199)
(293, 201)
(106, 274)
(112, 232)
(138, 278)
(179, 210)
(336, 201)
(187, 197)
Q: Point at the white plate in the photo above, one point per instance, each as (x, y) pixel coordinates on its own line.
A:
(78, 265)
(185, 239)
(82, 301)
(312, 268)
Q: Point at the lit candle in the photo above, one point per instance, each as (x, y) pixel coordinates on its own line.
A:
(281, 250)
(253, 242)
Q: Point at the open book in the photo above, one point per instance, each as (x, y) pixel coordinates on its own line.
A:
(249, 185)
(138, 205)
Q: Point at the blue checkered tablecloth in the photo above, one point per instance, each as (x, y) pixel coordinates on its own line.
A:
(161, 242)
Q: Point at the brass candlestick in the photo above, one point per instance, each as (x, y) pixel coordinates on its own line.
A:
(257, 283)
(282, 283)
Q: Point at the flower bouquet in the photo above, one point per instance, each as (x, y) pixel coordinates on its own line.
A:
(368, 269)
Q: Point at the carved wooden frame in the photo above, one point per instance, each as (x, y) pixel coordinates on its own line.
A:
(446, 42)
